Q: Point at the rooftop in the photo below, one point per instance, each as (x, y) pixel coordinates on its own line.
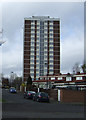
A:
(41, 18)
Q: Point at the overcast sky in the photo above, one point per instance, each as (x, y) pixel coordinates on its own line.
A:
(72, 32)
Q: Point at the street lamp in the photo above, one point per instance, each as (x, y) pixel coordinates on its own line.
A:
(1, 42)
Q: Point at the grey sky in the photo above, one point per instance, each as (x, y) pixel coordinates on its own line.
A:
(72, 32)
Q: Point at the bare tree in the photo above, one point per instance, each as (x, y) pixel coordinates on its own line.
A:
(76, 68)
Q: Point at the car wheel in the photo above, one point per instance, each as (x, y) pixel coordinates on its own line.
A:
(37, 100)
(24, 96)
(33, 99)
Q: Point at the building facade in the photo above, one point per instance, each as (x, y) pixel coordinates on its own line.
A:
(41, 47)
(62, 81)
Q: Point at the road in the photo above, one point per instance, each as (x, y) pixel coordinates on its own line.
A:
(15, 106)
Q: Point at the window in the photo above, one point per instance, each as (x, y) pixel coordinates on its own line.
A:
(32, 31)
(32, 50)
(37, 59)
(37, 53)
(32, 74)
(37, 44)
(68, 79)
(45, 58)
(51, 68)
(53, 78)
(37, 67)
(51, 72)
(38, 23)
(31, 67)
(51, 59)
(37, 75)
(32, 27)
(45, 54)
(51, 63)
(51, 23)
(51, 54)
(51, 48)
(32, 47)
(51, 40)
(45, 32)
(78, 78)
(50, 45)
(45, 50)
(38, 27)
(36, 78)
(32, 36)
(45, 23)
(32, 71)
(41, 78)
(32, 79)
(37, 63)
(37, 72)
(32, 54)
(46, 78)
(51, 32)
(32, 58)
(32, 22)
(59, 78)
(31, 62)
(32, 43)
(51, 36)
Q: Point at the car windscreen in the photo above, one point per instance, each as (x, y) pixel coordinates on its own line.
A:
(12, 88)
(44, 94)
(32, 92)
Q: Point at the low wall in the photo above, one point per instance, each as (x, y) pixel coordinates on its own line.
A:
(72, 96)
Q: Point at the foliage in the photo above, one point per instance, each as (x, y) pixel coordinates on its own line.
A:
(84, 68)
(76, 68)
(23, 84)
(29, 80)
(16, 82)
(5, 81)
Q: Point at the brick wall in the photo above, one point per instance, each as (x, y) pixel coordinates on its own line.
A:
(72, 96)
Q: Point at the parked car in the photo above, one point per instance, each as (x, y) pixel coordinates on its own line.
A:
(41, 97)
(12, 90)
(29, 94)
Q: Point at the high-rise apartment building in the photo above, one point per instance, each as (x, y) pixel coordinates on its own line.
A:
(41, 47)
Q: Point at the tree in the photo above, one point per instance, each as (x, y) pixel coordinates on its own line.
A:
(29, 83)
(5, 81)
(29, 80)
(76, 68)
(18, 80)
(84, 68)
